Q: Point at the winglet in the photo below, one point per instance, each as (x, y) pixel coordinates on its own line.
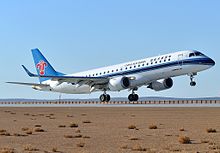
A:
(28, 72)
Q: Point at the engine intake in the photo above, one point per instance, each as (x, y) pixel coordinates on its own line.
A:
(119, 83)
(161, 85)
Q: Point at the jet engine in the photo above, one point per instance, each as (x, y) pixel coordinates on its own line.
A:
(119, 83)
(161, 84)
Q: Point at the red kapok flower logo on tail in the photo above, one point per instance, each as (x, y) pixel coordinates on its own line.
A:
(41, 67)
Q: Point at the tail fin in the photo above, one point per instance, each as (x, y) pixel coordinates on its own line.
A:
(43, 67)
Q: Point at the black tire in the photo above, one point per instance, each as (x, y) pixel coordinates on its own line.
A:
(135, 97)
(108, 98)
(103, 98)
(131, 97)
(193, 83)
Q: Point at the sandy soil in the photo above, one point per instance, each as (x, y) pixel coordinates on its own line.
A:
(105, 130)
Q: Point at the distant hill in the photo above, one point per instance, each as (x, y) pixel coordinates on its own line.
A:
(113, 99)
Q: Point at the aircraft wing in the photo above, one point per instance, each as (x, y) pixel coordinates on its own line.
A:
(72, 79)
(29, 84)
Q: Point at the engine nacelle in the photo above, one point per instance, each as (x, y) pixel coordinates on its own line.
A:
(119, 83)
(161, 85)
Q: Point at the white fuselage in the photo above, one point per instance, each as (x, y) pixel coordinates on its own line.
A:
(143, 72)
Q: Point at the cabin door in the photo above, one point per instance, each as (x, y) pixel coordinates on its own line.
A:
(180, 60)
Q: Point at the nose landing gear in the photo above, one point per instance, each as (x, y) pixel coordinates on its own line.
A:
(192, 82)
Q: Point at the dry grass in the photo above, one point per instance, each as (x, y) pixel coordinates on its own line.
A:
(138, 148)
(124, 147)
(86, 137)
(74, 125)
(152, 127)
(5, 133)
(62, 126)
(68, 136)
(184, 140)
(211, 130)
(81, 144)
(30, 148)
(87, 121)
(29, 132)
(7, 150)
(69, 115)
(181, 129)
(19, 135)
(204, 141)
(25, 129)
(73, 136)
(132, 127)
(54, 150)
(2, 130)
(134, 138)
(77, 136)
(39, 130)
(37, 125)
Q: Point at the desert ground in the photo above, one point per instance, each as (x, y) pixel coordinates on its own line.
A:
(109, 130)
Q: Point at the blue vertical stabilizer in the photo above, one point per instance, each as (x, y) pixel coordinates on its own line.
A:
(43, 67)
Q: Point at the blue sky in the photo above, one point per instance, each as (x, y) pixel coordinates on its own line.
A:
(80, 35)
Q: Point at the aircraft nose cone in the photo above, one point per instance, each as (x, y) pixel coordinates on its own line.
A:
(212, 62)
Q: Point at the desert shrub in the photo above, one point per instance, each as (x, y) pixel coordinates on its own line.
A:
(184, 140)
(152, 127)
(74, 125)
(132, 127)
(81, 144)
(211, 130)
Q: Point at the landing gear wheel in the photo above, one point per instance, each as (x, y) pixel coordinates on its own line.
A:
(105, 97)
(130, 97)
(102, 98)
(136, 97)
(108, 98)
(133, 97)
(193, 83)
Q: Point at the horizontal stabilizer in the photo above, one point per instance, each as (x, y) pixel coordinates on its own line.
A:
(28, 84)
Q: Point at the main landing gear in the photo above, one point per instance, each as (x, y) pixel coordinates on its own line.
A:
(105, 97)
(192, 82)
(133, 96)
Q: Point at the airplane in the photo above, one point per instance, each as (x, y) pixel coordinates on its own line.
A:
(155, 73)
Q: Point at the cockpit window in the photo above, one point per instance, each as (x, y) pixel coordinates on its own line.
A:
(198, 54)
(191, 54)
(195, 54)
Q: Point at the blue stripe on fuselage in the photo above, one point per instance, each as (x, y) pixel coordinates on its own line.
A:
(194, 61)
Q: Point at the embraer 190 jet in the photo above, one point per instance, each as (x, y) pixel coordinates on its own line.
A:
(155, 73)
